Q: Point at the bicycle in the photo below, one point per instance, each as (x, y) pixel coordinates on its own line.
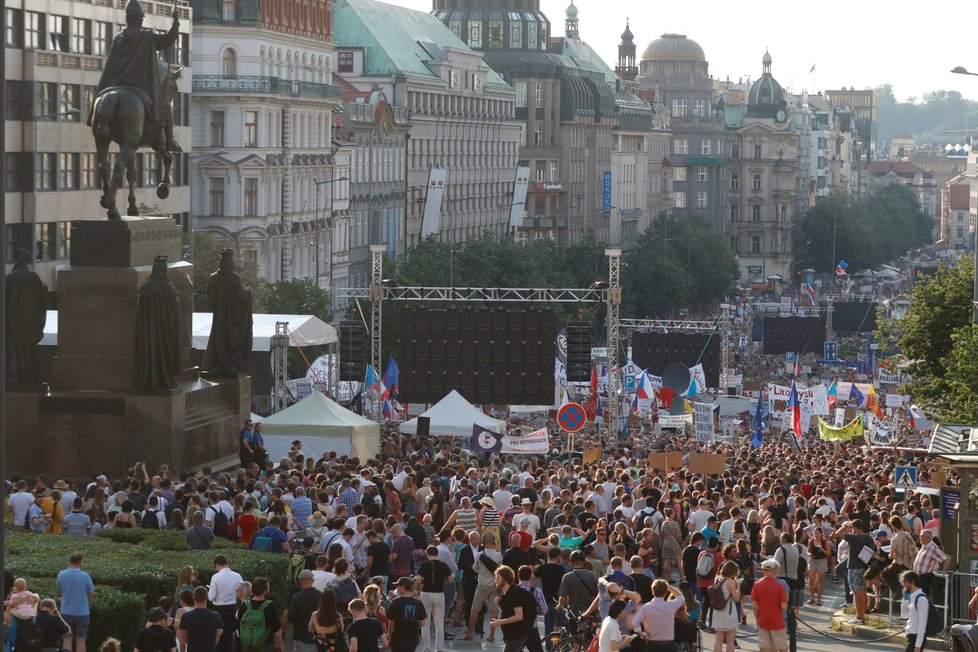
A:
(576, 634)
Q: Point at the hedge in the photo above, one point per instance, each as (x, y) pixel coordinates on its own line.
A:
(130, 577)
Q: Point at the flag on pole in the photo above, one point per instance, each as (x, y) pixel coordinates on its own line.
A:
(655, 408)
(591, 405)
(564, 398)
(812, 70)
(644, 389)
(833, 395)
(635, 404)
(392, 379)
(873, 402)
(794, 409)
(797, 372)
(810, 291)
(911, 418)
(372, 380)
(855, 395)
(758, 438)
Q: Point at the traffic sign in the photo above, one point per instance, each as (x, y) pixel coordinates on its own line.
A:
(905, 478)
(571, 417)
(628, 382)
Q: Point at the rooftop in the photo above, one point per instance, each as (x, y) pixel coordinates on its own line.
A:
(674, 47)
(960, 198)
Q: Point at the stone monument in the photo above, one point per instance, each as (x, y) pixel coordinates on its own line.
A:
(158, 332)
(231, 329)
(26, 314)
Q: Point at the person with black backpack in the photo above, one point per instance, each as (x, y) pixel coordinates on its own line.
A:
(155, 637)
(153, 518)
(923, 619)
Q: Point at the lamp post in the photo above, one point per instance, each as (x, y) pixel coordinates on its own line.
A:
(319, 227)
(961, 70)
(36, 118)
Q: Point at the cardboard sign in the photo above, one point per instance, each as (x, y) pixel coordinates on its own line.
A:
(666, 461)
(707, 463)
(591, 455)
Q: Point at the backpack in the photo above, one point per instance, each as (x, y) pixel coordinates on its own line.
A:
(150, 521)
(346, 590)
(262, 541)
(220, 522)
(716, 597)
(704, 566)
(252, 630)
(934, 624)
(297, 564)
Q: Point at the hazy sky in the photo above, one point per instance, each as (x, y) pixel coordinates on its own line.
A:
(856, 43)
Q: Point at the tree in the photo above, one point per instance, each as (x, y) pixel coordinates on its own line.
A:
(938, 341)
(207, 258)
(300, 296)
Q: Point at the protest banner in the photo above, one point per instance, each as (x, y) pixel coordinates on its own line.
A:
(703, 418)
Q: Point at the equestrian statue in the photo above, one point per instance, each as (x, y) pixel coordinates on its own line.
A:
(134, 106)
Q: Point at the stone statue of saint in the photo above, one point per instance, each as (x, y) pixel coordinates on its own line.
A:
(229, 300)
(157, 331)
(26, 314)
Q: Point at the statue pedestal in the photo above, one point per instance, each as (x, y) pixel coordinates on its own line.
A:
(92, 421)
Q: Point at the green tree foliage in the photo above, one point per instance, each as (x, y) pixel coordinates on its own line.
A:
(678, 263)
(938, 339)
(300, 296)
(926, 118)
(868, 233)
(207, 258)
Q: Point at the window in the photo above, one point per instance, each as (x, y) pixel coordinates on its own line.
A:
(679, 174)
(68, 171)
(756, 183)
(217, 128)
(345, 61)
(251, 196)
(679, 200)
(734, 181)
(521, 95)
(89, 178)
(680, 69)
(69, 100)
(47, 93)
(217, 196)
(475, 34)
(734, 212)
(516, 34)
(81, 36)
(755, 244)
(755, 213)
(735, 151)
(531, 36)
(679, 108)
(251, 128)
(757, 151)
(229, 10)
(102, 39)
(64, 240)
(784, 213)
(34, 31)
(44, 171)
(701, 200)
(554, 171)
(151, 170)
(15, 28)
(537, 135)
(44, 236)
(656, 68)
(539, 96)
(57, 33)
(456, 26)
(681, 146)
(702, 174)
(495, 33)
(823, 142)
(960, 231)
(706, 147)
(822, 162)
(14, 99)
(229, 63)
(699, 108)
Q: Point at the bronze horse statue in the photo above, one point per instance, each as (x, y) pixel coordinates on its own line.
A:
(122, 117)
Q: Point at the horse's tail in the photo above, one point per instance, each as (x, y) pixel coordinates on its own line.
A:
(104, 108)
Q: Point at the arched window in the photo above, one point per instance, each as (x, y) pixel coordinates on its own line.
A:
(230, 63)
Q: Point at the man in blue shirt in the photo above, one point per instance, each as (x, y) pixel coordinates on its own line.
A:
(246, 445)
(77, 523)
(76, 589)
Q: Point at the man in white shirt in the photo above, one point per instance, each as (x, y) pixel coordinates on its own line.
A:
(532, 520)
(917, 610)
(19, 503)
(222, 594)
(503, 498)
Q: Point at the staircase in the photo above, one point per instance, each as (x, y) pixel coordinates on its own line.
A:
(208, 405)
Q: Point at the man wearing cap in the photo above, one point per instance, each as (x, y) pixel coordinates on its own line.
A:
(406, 616)
(769, 600)
(301, 605)
(156, 637)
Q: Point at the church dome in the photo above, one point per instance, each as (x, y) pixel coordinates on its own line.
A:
(571, 11)
(766, 92)
(627, 34)
(674, 47)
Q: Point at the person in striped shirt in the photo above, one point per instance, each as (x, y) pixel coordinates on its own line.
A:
(929, 557)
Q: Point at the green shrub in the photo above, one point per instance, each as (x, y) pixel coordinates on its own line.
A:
(131, 570)
(164, 539)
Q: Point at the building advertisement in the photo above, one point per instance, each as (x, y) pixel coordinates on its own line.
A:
(518, 206)
(607, 192)
(431, 220)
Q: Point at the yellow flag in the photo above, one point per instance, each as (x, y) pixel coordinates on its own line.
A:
(830, 433)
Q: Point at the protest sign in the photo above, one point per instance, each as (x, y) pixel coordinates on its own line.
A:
(707, 463)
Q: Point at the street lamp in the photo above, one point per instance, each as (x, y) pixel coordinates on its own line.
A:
(332, 195)
(961, 70)
(37, 118)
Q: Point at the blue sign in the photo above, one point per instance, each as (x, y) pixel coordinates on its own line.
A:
(905, 478)
(607, 192)
(831, 350)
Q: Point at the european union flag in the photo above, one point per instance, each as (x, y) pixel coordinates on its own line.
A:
(855, 395)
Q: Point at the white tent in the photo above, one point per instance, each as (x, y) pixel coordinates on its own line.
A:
(305, 330)
(454, 416)
(321, 425)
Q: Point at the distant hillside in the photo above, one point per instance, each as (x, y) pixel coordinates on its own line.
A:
(926, 118)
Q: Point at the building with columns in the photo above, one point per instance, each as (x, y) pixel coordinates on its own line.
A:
(267, 172)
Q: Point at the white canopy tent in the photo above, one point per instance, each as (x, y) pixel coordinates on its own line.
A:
(321, 425)
(454, 416)
(306, 330)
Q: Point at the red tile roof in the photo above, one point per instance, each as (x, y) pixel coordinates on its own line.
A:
(901, 168)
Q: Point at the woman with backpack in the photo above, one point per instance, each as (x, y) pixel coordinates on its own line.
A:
(724, 596)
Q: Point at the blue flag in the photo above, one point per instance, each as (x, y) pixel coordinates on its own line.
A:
(392, 379)
(855, 395)
(758, 437)
(485, 441)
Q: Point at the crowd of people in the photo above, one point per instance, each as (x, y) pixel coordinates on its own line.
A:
(430, 544)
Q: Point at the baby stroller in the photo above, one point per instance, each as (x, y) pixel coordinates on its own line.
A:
(964, 638)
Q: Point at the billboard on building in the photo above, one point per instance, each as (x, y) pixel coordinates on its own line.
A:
(518, 207)
(431, 221)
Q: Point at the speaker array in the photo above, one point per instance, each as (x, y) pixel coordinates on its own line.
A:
(854, 317)
(794, 334)
(489, 356)
(656, 351)
(578, 351)
(353, 350)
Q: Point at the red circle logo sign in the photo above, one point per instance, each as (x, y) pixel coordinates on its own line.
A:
(571, 417)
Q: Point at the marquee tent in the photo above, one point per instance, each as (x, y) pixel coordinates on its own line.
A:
(454, 416)
(322, 425)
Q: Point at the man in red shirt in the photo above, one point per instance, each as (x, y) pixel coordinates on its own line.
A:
(770, 602)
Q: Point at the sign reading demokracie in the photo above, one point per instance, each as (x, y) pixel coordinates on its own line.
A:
(487, 441)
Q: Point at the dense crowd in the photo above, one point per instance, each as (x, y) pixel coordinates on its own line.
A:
(429, 543)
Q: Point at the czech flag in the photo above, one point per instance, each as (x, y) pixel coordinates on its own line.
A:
(833, 395)
(635, 404)
(911, 418)
(811, 293)
(841, 268)
(392, 379)
(372, 381)
(794, 409)
(797, 365)
(644, 389)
